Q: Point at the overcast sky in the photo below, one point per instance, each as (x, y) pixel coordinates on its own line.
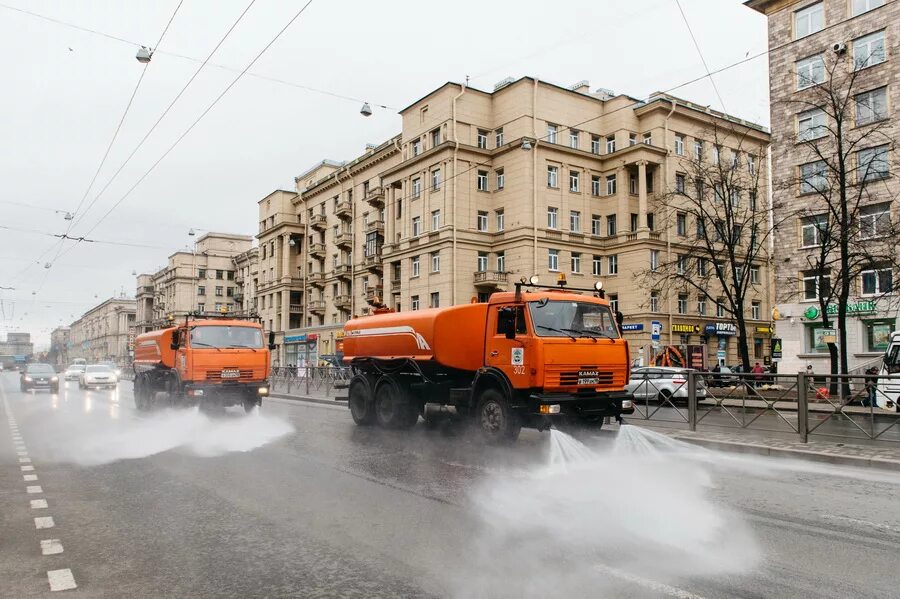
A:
(65, 91)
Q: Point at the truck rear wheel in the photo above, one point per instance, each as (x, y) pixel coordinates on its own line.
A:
(362, 404)
(496, 418)
(392, 407)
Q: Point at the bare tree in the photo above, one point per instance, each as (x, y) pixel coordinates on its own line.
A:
(720, 211)
(841, 189)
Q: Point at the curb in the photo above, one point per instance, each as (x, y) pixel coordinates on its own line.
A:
(319, 400)
(779, 452)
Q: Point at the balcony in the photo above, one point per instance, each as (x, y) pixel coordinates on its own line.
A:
(316, 278)
(296, 308)
(373, 262)
(342, 271)
(489, 278)
(238, 297)
(317, 250)
(342, 302)
(317, 306)
(375, 197)
(375, 226)
(344, 210)
(374, 294)
(395, 285)
(318, 222)
(344, 239)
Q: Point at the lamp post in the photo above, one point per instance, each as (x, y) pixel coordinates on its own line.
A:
(192, 232)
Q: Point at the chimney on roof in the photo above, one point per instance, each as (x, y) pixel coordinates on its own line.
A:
(582, 87)
(604, 93)
(370, 148)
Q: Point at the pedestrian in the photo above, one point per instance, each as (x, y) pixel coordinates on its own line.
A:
(717, 381)
(871, 388)
(757, 374)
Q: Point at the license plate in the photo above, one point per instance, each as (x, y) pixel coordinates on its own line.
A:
(588, 381)
(231, 374)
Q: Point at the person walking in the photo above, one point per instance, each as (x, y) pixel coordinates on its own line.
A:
(758, 372)
(871, 388)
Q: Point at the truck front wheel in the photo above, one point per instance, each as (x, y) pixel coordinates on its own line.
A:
(497, 420)
(362, 405)
(392, 407)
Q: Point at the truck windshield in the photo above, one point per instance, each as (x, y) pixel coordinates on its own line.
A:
(225, 336)
(572, 319)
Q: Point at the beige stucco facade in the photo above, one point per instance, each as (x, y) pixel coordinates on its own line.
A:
(798, 30)
(454, 208)
(104, 332)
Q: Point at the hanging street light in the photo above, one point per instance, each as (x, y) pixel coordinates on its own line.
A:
(366, 110)
(144, 54)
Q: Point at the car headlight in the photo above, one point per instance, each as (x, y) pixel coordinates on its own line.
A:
(54, 379)
(27, 379)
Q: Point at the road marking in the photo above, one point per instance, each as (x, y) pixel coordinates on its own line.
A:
(34, 489)
(29, 477)
(44, 522)
(22, 454)
(657, 587)
(37, 504)
(27, 468)
(24, 460)
(51, 547)
(874, 525)
(61, 580)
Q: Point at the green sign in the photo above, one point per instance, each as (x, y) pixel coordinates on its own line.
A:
(853, 308)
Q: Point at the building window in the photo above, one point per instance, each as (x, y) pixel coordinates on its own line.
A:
(482, 181)
(576, 262)
(813, 177)
(698, 150)
(417, 147)
(553, 260)
(500, 220)
(701, 306)
(551, 133)
(632, 139)
(435, 262)
(611, 225)
(680, 264)
(595, 224)
(878, 335)
(811, 125)
(435, 138)
(754, 275)
(201, 272)
(861, 6)
(501, 261)
(498, 137)
(868, 50)
(229, 292)
(654, 260)
(654, 301)
(720, 307)
(648, 139)
(595, 144)
(611, 185)
(810, 71)
(808, 20)
(552, 214)
(633, 185)
(481, 139)
(435, 301)
(679, 145)
(596, 265)
(501, 179)
(682, 303)
(874, 221)
(815, 286)
(575, 221)
(435, 180)
(220, 275)
(573, 139)
(872, 164)
(201, 307)
(612, 264)
(681, 224)
(613, 302)
(717, 154)
(201, 290)
(414, 264)
(482, 222)
(552, 176)
(416, 188)
(679, 183)
(634, 222)
(595, 185)
(435, 220)
(755, 310)
(871, 106)
(416, 226)
(574, 181)
(414, 302)
(220, 291)
(610, 144)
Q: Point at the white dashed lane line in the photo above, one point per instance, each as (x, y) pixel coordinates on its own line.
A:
(61, 580)
(51, 547)
(44, 522)
(32, 489)
(29, 477)
(38, 504)
(26, 468)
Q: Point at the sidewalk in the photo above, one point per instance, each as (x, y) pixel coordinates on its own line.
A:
(881, 455)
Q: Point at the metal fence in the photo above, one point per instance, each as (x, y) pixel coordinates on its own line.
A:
(801, 405)
(309, 380)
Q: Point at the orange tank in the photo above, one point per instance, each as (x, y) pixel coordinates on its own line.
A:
(154, 349)
(453, 337)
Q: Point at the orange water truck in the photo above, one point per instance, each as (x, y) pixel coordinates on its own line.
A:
(535, 357)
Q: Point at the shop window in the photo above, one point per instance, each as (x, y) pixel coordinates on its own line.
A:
(878, 335)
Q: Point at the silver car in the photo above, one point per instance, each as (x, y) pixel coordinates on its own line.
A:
(662, 383)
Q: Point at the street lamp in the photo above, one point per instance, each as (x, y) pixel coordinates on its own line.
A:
(366, 110)
(144, 54)
(526, 144)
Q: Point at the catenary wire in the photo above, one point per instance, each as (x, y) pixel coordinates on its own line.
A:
(700, 52)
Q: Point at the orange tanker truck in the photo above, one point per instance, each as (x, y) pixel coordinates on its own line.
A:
(534, 357)
(210, 362)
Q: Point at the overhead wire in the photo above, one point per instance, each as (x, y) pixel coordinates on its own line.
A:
(700, 52)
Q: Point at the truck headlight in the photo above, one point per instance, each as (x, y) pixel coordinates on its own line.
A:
(263, 390)
(627, 404)
(550, 409)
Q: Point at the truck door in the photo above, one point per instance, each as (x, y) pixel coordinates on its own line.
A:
(509, 355)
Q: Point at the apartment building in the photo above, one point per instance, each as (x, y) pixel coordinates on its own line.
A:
(483, 188)
(855, 42)
(59, 345)
(105, 332)
(17, 344)
(200, 280)
(246, 278)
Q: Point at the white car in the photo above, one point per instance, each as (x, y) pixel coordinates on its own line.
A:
(98, 375)
(73, 372)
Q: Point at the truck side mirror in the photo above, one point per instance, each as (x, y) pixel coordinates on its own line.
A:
(271, 340)
(620, 318)
(176, 338)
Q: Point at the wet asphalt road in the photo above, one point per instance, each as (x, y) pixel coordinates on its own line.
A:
(298, 502)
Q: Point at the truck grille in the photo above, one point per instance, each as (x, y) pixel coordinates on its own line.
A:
(243, 375)
(568, 376)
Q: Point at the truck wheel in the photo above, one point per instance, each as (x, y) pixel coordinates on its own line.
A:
(496, 418)
(249, 404)
(392, 408)
(362, 405)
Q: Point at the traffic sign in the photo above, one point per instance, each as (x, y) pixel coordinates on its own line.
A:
(655, 330)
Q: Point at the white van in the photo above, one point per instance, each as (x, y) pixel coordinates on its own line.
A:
(889, 390)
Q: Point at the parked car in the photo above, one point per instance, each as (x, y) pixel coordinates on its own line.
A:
(39, 376)
(98, 375)
(662, 383)
(725, 377)
(73, 372)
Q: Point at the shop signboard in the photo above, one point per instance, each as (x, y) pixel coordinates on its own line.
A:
(721, 328)
(853, 309)
(696, 356)
(776, 349)
(686, 328)
(632, 327)
(295, 338)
